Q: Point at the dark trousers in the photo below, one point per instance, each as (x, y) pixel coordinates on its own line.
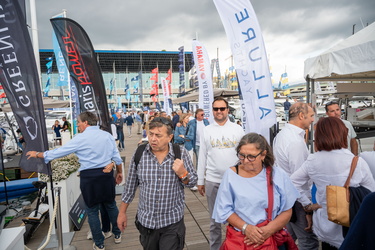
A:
(171, 237)
(326, 246)
(120, 138)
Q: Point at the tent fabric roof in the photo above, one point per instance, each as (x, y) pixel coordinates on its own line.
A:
(195, 95)
(353, 58)
(48, 103)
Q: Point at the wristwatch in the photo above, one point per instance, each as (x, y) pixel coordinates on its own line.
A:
(185, 178)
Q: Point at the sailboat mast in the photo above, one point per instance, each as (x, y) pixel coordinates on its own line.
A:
(141, 84)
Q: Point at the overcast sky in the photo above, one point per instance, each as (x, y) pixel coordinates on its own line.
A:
(293, 30)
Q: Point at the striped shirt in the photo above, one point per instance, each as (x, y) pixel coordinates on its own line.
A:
(161, 196)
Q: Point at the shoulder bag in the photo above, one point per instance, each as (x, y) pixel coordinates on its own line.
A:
(338, 199)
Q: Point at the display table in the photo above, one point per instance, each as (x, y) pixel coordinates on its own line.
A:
(12, 238)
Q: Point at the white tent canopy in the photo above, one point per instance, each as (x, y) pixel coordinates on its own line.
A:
(48, 103)
(195, 95)
(351, 59)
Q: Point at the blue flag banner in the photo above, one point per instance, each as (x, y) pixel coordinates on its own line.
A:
(20, 81)
(128, 94)
(110, 88)
(60, 62)
(84, 69)
(134, 79)
(49, 71)
(181, 69)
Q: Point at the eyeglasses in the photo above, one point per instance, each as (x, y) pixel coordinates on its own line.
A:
(201, 115)
(219, 108)
(248, 157)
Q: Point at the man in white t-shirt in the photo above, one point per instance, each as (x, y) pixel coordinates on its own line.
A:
(333, 110)
(217, 153)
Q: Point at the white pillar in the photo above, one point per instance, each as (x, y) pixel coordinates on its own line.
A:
(34, 34)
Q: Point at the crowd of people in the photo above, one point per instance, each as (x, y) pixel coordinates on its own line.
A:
(258, 190)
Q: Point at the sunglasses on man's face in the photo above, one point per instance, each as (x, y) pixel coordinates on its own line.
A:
(219, 108)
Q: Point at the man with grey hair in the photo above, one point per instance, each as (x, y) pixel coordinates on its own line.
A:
(161, 178)
(290, 151)
(95, 150)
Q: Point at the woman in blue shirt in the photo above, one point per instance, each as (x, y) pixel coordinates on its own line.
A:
(180, 132)
(242, 197)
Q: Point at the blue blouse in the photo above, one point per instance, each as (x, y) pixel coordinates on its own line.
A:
(248, 197)
(179, 131)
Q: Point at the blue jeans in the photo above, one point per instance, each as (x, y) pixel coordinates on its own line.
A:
(286, 115)
(120, 138)
(197, 153)
(106, 224)
(94, 221)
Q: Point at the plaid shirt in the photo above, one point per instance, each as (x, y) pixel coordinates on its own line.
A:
(161, 197)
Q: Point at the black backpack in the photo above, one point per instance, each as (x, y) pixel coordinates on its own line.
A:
(142, 147)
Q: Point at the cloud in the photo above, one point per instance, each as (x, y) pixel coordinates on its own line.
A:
(293, 30)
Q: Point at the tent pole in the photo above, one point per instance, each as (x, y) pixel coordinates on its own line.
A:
(3, 169)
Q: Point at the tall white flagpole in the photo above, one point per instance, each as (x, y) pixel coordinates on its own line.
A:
(34, 34)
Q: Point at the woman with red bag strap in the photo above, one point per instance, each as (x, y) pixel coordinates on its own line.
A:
(243, 198)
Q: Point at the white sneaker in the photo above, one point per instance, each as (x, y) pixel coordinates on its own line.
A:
(89, 235)
(118, 239)
(106, 235)
(95, 247)
(195, 188)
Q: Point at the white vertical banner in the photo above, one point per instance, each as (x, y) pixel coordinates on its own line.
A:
(203, 68)
(250, 59)
(165, 87)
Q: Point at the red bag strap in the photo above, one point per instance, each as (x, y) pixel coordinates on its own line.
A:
(270, 193)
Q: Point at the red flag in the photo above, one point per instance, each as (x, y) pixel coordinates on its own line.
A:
(154, 99)
(1, 86)
(154, 78)
(155, 71)
(3, 95)
(169, 78)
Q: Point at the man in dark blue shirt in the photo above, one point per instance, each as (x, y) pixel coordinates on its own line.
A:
(287, 105)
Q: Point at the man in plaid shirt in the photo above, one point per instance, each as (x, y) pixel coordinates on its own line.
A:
(161, 179)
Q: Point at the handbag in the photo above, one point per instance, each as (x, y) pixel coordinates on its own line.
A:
(338, 199)
(235, 239)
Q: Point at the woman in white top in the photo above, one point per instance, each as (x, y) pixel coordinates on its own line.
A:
(330, 165)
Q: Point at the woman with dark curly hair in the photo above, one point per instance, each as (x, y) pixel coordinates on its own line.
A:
(243, 195)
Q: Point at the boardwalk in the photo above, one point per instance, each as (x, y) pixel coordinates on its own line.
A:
(196, 218)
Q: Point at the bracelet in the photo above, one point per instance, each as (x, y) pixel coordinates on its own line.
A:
(36, 154)
(244, 228)
(184, 175)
